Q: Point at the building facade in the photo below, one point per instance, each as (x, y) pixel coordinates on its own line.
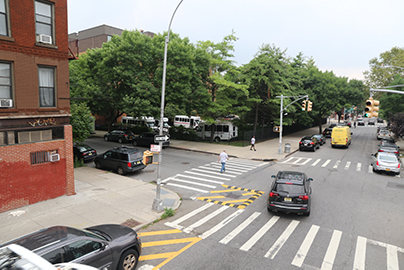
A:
(36, 155)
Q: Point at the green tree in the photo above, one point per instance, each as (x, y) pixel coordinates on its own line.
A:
(391, 103)
(396, 121)
(81, 121)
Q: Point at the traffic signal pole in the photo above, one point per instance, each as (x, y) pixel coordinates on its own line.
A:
(281, 118)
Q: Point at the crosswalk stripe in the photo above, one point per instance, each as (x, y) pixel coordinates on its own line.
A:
(243, 163)
(210, 176)
(232, 166)
(216, 169)
(336, 164)
(348, 163)
(304, 248)
(187, 187)
(392, 258)
(175, 223)
(305, 162)
(315, 163)
(201, 179)
(282, 239)
(259, 234)
(326, 163)
(360, 254)
(205, 219)
(370, 170)
(358, 167)
(218, 173)
(221, 224)
(193, 183)
(239, 228)
(297, 160)
(289, 159)
(329, 257)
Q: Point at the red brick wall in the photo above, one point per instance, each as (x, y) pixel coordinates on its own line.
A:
(22, 184)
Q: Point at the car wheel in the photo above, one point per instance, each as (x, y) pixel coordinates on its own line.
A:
(120, 171)
(97, 165)
(307, 214)
(134, 143)
(128, 260)
(106, 138)
(314, 149)
(120, 140)
(217, 139)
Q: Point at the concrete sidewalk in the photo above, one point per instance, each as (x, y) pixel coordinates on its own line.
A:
(104, 197)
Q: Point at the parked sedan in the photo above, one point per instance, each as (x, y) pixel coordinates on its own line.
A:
(104, 246)
(387, 162)
(146, 139)
(384, 134)
(290, 192)
(321, 138)
(389, 148)
(120, 136)
(361, 123)
(327, 132)
(84, 152)
(309, 143)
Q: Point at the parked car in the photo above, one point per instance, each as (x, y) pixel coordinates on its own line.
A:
(384, 134)
(120, 136)
(387, 162)
(309, 143)
(382, 128)
(104, 246)
(146, 139)
(123, 159)
(84, 152)
(341, 137)
(321, 138)
(389, 148)
(290, 192)
(371, 122)
(379, 120)
(18, 257)
(361, 123)
(327, 132)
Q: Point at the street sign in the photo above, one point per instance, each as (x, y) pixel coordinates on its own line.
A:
(155, 148)
(277, 129)
(161, 138)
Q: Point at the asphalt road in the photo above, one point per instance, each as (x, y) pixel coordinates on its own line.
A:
(355, 222)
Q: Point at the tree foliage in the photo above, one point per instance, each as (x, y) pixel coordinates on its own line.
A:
(81, 121)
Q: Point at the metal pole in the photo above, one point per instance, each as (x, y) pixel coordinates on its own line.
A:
(158, 202)
(280, 128)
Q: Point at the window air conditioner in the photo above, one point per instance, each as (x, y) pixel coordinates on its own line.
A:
(6, 103)
(45, 39)
(54, 157)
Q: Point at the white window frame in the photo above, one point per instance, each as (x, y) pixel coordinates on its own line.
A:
(47, 87)
(10, 79)
(51, 19)
(6, 13)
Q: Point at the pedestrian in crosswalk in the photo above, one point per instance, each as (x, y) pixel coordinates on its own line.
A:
(222, 158)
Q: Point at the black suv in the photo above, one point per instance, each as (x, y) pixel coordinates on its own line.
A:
(290, 192)
(120, 136)
(309, 143)
(104, 246)
(122, 159)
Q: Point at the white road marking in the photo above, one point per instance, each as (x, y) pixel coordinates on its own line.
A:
(282, 239)
(210, 176)
(360, 254)
(189, 215)
(304, 248)
(241, 227)
(297, 160)
(259, 234)
(358, 167)
(304, 163)
(187, 187)
(392, 258)
(221, 224)
(193, 183)
(289, 159)
(205, 219)
(315, 162)
(198, 178)
(370, 170)
(326, 163)
(332, 249)
(336, 164)
(218, 168)
(218, 173)
(348, 163)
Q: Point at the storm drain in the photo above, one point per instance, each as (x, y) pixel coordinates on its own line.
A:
(131, 223)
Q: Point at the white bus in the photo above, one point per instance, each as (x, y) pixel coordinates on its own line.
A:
(186, 121)
(143, 121)
(223, 131)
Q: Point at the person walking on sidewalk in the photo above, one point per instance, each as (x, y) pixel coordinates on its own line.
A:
(253, 143)
(222, 158)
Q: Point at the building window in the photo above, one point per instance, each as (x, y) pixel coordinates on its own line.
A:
(5, 81)
(3, 18)
(46, 87)
(44, 22)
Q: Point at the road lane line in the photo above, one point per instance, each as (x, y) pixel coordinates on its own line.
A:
(241, 227)
(326, 163)
(348, 163)
(358, 167)
(332, 249)
(221, 224)
(304, 163)
(392, 258)
(336, 164)
(304, 248)
(281, 240)
(205, 219)
(315, 162)
(360, 254)
(254, 239)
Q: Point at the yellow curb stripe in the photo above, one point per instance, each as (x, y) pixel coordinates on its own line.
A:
(142, 234)
(157, 256)
(220, 191)
(168, 242)
(211, 197)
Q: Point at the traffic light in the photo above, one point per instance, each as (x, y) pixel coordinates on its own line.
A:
(375, 112)
(309, 106)
(372, 108)
(304, 105)
(147, 157)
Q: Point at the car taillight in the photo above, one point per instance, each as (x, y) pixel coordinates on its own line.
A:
(377, 163)
(84, 154)
(380, 150)
(129, 164)
(398, 167)
(312, 143)
(273, 194)
(396, 152)
(300, 142)
(346, 139)
(125, 135)
(304, 197)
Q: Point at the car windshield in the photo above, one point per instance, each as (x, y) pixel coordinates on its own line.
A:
(290, 188)
(83, 148)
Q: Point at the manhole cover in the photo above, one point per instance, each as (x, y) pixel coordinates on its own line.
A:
(149, 171)
(232, 195)
(184, 162)
(131, 223)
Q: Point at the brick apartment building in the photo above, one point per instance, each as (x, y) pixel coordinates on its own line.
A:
(36, 159)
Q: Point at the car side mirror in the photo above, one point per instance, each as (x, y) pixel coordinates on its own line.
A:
(273, 176)
(310, 179)
(351, 133)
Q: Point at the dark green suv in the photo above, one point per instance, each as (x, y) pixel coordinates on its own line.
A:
(122, 159)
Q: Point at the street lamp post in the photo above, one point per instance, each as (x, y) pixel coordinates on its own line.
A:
(158, 202)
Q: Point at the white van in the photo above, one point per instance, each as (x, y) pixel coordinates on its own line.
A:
(139, 122)
(187, 122)
(224, 131)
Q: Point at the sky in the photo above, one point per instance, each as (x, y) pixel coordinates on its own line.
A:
(341, 36)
